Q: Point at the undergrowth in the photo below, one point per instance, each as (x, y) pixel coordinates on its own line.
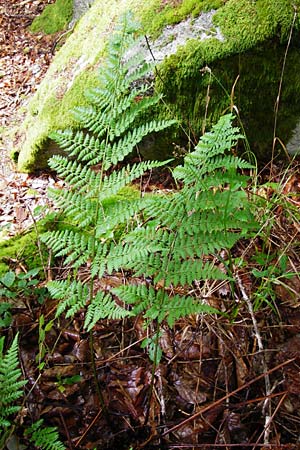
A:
(167, 240)
(11, 392)
(166, 246)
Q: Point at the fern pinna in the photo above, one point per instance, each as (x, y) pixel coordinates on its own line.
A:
(110, 128)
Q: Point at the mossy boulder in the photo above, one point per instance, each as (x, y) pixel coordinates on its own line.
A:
(235, 59)
(55, 17)
(21, 251)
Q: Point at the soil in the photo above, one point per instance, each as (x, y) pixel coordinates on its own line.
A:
(223, 382)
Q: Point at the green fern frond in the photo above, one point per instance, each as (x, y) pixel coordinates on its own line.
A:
(117, 151)
(222, 137)
(180, 306)
(10, 383)
(77, 207)
(45, 438)
(185, 272)
(76, 245)
(159, 305)
(73, 296)
(120, 212)
(103, 306)
(75, 174)
(113, 183)
(99, 262)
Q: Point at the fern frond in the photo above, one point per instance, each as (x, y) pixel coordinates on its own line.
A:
(222, 137)
(157, 304)
(10, 383)
(185, 272)
(76, 245)
(180, 306)
(73, 295)
(123, 211)
(78, 208)
(126, 144)
(78, 144)
(112, 184)
(75, 174)
(45, 438)
(103, 306)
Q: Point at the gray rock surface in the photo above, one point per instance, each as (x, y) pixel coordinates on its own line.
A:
(174, 36)
(79, 8)
(293, 146)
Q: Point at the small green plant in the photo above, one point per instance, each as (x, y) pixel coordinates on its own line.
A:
(22, 285)
(273, 272)
(43, 329)
(11, 388)
(11, 394)
(68, 381)
(5, 314)
(45, 438)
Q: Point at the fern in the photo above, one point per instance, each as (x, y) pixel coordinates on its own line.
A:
(11, 391)
(101, 307)
(10, 383)
(45, 438)
(111, 127)
(173, 240)
(159, 305)
(74, 295)
(208, 215)
(10, 387)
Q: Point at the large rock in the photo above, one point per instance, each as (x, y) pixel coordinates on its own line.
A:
(212, 56)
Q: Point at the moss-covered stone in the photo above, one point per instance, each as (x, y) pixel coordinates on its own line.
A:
(157, 14)
(199, 80)
(21, 250)
(54, 18)
(245, 25)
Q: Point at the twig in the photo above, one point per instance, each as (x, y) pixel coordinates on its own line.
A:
(273, 415)
(267, 405)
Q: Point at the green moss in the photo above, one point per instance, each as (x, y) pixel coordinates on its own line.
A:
(246, 23)
(21, 249)
(157, 15)
(54, 18)
(251, 51)
(258, 72)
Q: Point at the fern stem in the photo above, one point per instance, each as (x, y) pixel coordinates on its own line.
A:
(154, 366)
(98, 390)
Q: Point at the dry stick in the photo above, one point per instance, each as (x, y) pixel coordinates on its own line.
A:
(280, 85)
(207, 98)
(267, 404)
(222, 399)
(66, 430)
(88, 428)
(272, 417)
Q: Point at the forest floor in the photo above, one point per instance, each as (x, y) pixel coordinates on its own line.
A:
(223, 382)
(25, 58)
